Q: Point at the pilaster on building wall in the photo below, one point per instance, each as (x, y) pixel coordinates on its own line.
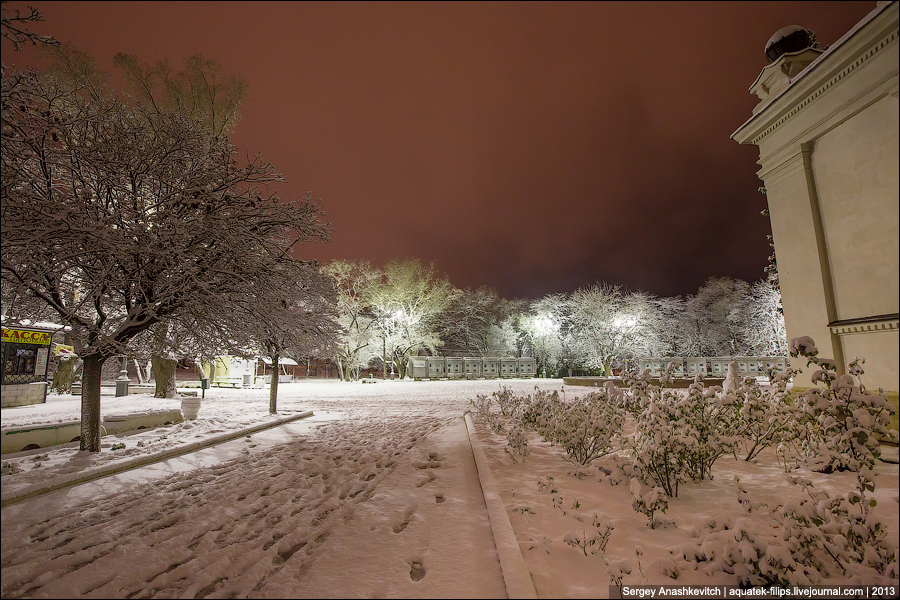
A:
(827, 131)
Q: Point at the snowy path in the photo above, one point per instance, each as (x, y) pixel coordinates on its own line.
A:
(385, 503)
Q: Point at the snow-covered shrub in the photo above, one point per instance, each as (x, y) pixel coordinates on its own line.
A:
(507, 401)
(846, 417)
(517, 443)
(585, 428)
(648, 501)
(538, 410)
(482, 405)
(657, 445)
(594, 540)
(712, 424)
(680, 435)
(806, 542)
(621, 471)
(636, 391)
(766, 418)
(617, 570)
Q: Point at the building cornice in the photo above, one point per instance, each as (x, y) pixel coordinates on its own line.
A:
(868, 40)
(865, 324)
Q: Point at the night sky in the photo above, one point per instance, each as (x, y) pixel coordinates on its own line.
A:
(530, 147)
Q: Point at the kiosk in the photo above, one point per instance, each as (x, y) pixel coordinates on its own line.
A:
(26, 353)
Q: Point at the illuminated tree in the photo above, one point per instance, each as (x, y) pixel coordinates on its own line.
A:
(357, 343)
(408, 301)
(765, 333)
(542, 329)
(606, 325)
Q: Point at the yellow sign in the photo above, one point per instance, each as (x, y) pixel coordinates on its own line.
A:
(26, 336)
(61, 350)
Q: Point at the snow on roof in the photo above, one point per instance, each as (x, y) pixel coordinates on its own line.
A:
(26, 323)
(281, 361)
(782, 33)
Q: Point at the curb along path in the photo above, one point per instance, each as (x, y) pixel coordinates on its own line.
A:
(127, 465)
(516, 575)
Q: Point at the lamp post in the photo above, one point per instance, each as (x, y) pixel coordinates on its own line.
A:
(122, 380)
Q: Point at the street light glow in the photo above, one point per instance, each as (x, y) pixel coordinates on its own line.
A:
(545, 325)
(626, 321)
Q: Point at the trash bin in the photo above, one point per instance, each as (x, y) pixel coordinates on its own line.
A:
(122, 387)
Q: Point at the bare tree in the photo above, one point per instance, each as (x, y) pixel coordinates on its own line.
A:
(199, 90)
(718, 315)
(301, 320)
(133, 214)
(478, 323)
(15, 28)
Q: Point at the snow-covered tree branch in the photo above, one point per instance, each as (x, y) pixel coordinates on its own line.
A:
(117, 217)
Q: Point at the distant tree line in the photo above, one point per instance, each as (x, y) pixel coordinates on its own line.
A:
(403, 309)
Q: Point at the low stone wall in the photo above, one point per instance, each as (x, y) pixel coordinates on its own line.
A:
(42, 436)
(22, 394)
(106, 390)
(674, 383)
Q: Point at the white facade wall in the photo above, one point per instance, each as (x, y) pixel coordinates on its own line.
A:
(828, 142)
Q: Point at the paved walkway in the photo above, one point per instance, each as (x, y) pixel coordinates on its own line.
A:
(427, 514)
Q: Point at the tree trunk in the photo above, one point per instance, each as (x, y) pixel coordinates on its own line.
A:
(90, 403)
(164, 374)
(273, 387)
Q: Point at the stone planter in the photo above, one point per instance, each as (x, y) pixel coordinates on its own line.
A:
(190, 407)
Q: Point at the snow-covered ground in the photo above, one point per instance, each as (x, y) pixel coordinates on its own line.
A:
(376, 495)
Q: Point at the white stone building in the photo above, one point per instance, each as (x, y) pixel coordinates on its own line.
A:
(827, 131)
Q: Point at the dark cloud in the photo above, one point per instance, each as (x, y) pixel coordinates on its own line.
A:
(531, 147)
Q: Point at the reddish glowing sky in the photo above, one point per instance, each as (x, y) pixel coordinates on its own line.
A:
(530, 147)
